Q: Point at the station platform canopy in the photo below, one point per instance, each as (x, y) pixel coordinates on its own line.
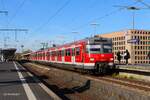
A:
(7, 54)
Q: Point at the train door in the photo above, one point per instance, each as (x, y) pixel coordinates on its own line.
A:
(47, 56)
(43, 55)
(73, 55)
(68, 55)
(52, 55)
(78, 55)
(59, 56)
(62, 55)
(56, 55)
(49, 53)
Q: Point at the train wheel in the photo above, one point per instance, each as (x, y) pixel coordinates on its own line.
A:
(101, 68)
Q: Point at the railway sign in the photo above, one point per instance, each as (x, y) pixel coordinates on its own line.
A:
(133, 40)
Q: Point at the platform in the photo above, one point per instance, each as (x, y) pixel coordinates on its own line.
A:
(16, 83)
(145, 68)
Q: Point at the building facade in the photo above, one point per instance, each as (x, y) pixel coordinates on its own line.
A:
(137, 42)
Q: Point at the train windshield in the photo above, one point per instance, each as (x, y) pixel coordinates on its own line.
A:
(95, 49)
(107, 48)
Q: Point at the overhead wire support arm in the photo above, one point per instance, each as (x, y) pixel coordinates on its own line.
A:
(4, 12)
(15, 30)
(6, 29)
(142, 2)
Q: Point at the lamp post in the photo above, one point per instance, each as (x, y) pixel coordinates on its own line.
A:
(94, 26)
(133, 9)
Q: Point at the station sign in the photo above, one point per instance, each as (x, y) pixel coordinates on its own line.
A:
(133, 41)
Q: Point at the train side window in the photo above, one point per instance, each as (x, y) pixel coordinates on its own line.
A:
(50, 53)
(53, 53)
(73, 51)
(59, 53)
(62, 52)
(77, 51)
(68, 52)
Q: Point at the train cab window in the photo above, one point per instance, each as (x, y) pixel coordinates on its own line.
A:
(77, 51)
(93, 49)
(107, 48)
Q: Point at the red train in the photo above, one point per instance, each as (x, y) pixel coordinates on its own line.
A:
(94, 54)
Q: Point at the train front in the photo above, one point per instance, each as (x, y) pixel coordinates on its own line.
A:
(99, 52)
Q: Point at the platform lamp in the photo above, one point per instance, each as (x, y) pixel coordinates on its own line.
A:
(94, 25)
(133, 9)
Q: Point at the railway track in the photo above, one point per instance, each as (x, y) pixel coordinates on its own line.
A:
(135, 84)
(128, 83)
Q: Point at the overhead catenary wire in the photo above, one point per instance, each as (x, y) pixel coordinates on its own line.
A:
(98, 18)
(102, 17)
(142, 2)
(53, 16)
(87, 9)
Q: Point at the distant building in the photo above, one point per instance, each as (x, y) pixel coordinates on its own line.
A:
(136, 41)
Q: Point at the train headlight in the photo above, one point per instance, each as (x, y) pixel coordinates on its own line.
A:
(110, 64)
(91, 59)
(111, 59)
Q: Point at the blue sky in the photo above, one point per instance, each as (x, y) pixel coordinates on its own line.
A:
(71, 22)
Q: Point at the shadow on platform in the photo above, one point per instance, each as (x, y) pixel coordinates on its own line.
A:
(77, 89)
(18, 81)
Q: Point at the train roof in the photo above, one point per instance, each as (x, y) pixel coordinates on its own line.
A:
(83, 41)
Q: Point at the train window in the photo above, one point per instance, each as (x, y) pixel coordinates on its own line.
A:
(65, 52)
(53, 53)
(50, 53)
(77, 51)
(107, 48)
(47, 54)
(62, 52)
(93, 49)
(73, 51)
(68, 52)
(59, 53)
